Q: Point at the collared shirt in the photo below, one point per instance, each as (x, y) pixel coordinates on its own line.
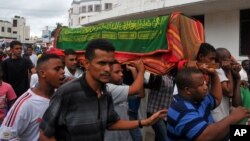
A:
(161, 98)
(76, 113)
(77, 74)
(187, 120)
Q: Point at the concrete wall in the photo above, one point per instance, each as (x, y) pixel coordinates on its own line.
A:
(6, 25)
(87, 14)
(222, 30)
(74, 18)
(26, 32)
(77, 18)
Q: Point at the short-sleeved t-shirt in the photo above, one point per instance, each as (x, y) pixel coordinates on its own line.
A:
(23, 119)
(119, 94)
(223, 109)
(16, 74)
(6, 94)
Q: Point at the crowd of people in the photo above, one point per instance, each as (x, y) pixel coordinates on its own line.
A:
(51, 97)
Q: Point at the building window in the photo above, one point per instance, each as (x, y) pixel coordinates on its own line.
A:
(108, 6)
(97, 8)
(84, 9)
(9, 30)
(245, 32)
(2, 29)
(83, 17)
(90, 8)
(14, 32)
(14, 23)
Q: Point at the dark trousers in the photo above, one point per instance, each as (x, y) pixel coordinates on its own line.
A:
(160, 129)
(135, 133)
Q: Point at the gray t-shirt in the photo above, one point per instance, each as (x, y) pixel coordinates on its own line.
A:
(119, 94)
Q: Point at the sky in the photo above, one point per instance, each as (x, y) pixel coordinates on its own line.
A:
(38, 13)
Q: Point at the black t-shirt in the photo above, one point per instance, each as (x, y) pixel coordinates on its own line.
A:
(16, 73)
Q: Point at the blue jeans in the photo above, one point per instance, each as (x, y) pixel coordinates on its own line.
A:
(160, 129)
(135, 133)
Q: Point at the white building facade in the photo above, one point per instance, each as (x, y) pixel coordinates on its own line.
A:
(6, 29)
(16, 29)
(82, 10)
(226, 22)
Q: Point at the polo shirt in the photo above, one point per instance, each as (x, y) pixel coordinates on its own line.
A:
(186, 120)
(161, 97)
(76, 113)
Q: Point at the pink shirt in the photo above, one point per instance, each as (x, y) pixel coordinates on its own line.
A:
(6, 94)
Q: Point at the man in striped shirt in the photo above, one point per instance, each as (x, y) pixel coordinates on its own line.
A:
(23, 119)
(189, 116)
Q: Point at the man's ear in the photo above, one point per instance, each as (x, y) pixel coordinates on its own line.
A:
(86, 64)
(41, 73)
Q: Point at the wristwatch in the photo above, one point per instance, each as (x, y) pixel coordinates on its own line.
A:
(139, 124)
